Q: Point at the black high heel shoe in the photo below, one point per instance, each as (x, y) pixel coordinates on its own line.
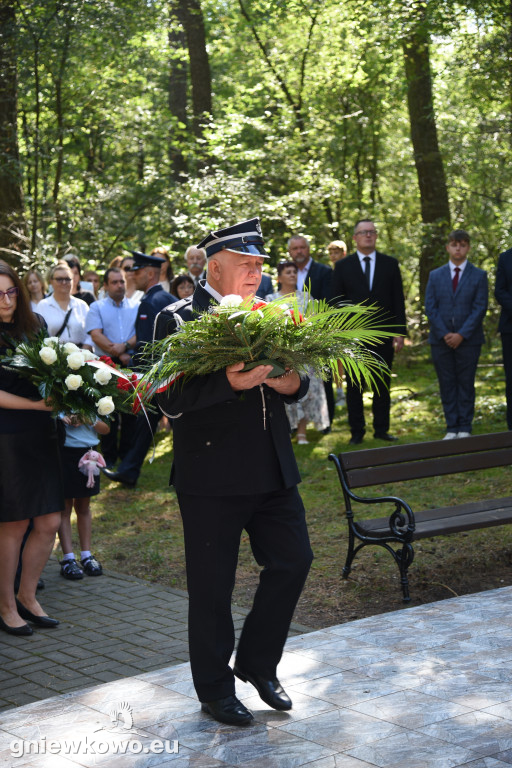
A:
(18, 631)
(39, 621)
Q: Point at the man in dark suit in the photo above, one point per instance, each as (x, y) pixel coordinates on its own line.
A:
(503, 294)
(316, 279)
(146, 272)
(455, 304)
(234, 470)
(371, 277)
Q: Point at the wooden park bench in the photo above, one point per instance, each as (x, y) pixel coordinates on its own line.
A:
(399, 463)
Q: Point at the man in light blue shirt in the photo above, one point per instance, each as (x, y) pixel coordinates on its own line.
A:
(111, 323)
(112, 328)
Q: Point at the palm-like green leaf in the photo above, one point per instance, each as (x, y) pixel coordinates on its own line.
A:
(312, 342)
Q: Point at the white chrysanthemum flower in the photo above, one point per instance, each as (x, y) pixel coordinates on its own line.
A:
(102, 376)
(231, 300)
(51, 341)
(75, 360)
(73, 381)
(48, 355)
(105, 405)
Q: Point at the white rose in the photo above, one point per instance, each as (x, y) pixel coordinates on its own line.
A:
(48, 355)
(102, 376)
(73, 381)
(75, 360)
(88, 355)
(105, 405)
(69, 348)
(231, 300)
(51, 341)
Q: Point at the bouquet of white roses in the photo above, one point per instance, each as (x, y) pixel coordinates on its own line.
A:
(280, 332)
(73, 381)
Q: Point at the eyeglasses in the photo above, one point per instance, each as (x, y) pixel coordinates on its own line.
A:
(62, 279)
(10, 292)
(368, 232)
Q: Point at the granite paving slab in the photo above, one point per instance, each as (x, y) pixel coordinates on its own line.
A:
(421, 687)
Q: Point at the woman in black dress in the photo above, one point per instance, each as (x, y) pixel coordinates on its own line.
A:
(30, 473)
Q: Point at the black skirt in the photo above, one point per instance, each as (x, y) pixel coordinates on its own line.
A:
(75, 482)
(30, 475)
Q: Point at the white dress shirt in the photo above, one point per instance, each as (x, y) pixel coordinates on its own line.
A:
(302, 274)
(372, 256)
(460, 266)
(75, 327)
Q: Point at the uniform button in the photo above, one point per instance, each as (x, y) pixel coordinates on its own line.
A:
(208, 442)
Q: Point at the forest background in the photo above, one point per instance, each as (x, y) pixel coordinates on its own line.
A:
(139, 123)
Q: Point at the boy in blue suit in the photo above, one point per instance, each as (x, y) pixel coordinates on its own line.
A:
(455, 304)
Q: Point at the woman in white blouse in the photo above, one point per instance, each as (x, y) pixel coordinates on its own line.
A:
(65, 315)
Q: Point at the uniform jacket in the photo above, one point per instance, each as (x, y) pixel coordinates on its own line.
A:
(318, 280)
(349, 284)
(503, 290)
(460, 312)
(221, 447)
(150, 305)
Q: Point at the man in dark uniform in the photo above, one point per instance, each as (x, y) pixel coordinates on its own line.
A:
(146, 272)
(234, 469)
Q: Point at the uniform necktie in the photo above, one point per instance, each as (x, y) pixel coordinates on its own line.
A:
(455, 280)
(367, 269)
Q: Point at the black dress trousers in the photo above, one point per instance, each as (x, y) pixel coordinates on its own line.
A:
(381, 402)
(213, 525)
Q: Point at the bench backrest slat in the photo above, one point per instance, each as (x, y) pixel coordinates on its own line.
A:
(374, 457)
(426, 467)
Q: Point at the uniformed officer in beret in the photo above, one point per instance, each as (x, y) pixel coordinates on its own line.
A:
(146, 272)
(234, 470)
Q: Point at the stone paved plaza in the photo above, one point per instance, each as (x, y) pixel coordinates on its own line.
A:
(422, 687)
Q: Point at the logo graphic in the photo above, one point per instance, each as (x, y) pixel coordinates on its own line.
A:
(114, 740)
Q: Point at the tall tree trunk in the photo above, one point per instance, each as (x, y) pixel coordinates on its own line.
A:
(59, 113)
(12, 224)
(178, 83)
(435, 207)
(191, 17)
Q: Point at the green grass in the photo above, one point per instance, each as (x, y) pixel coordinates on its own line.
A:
(139, 531)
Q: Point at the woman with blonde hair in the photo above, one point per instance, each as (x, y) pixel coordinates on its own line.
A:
(36, 286)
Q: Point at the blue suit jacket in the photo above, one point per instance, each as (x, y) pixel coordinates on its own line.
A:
(460, 312)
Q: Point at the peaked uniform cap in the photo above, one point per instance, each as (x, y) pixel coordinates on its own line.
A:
(141, 260)
(244, 237)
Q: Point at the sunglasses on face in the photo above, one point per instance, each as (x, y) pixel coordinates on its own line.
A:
(62, 279)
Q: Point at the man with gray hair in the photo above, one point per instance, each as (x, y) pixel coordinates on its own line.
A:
(196, 260)
(312, 275)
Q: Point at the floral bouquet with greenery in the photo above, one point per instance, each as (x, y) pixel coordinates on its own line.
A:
(71, 380)
(279, 332)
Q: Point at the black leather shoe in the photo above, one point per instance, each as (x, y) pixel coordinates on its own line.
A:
(119, 478)
(228, 710)
(19, 631)
(270, 691)
(39, 621)
(356, 440)
(385, 436)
